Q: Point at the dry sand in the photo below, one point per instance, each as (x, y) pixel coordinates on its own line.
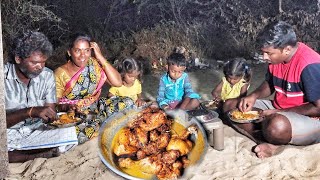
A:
(236, 161)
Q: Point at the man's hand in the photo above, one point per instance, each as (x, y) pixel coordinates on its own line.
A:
(246, 103)
(268, 112)
(46, 113)
(67, 107)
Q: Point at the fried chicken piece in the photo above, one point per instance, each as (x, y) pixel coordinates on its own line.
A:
(172, 171)
(141, 154)
(166, 127)
(149, 138)
(163, 140)
(123, 146)
(125, 136)
(153, 135)
(135, 122)
(151, 149)
(185, 161)
(154, 147)
(148, 110)
(181, 143)
(169, 157)
(153, 120)
(155, 165)
(176, 169)
(190, 130)
(122, 149)
(142, 137)
(142, 116)
(184, 146)
(146, 165)
(143, 112)
(138, 119)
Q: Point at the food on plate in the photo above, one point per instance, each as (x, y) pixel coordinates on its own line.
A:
(148, 144)
(66, 118)
(250, 115)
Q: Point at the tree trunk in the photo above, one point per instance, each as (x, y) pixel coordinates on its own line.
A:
(3, 130)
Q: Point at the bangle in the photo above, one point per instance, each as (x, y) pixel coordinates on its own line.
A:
(104, 65)
(57, 108)
(29, 113)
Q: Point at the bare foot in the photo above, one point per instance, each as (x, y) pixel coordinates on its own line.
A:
(265, 150)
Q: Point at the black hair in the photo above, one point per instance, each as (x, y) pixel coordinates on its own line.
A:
(129, 65)
(239, 68)
(32, 41)
(278, 35)
(79, 36)
(176, 59)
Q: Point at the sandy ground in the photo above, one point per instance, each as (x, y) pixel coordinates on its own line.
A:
(236, 161)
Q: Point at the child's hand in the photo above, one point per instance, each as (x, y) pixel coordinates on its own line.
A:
(164, 107)
(140, 102)
(216, 99)
(215, 96)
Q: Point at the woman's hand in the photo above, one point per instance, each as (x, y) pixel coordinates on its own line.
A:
(97, 52)
(113, 76)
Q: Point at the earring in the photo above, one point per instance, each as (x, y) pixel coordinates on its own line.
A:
(17, 60)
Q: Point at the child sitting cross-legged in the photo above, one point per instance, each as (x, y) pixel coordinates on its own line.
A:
(126, 96)
(234, 84)
(131, 73)
(175, 91)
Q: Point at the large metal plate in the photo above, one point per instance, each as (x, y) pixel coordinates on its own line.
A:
(114, 123)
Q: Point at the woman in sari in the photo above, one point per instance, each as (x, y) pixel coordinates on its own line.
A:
(80, 80)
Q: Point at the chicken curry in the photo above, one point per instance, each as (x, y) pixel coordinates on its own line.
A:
(152, 144)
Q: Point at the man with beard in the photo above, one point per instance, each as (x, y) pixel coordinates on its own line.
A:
(30, 94)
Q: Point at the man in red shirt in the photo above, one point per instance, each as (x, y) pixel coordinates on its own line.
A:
(293, 75)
